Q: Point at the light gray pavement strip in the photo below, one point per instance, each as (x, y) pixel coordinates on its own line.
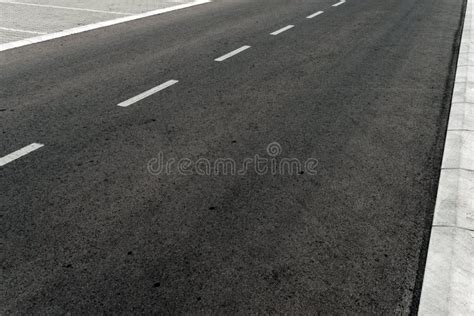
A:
(18, 19)
(448, 287)
(132, 6)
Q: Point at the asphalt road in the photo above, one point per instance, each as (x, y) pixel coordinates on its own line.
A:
(364, 88)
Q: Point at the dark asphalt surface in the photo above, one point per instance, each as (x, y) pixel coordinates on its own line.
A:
(364, 88)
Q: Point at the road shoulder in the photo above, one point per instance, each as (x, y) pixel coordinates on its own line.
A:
(448, 286)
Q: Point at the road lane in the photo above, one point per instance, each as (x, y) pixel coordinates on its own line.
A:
(365, 96)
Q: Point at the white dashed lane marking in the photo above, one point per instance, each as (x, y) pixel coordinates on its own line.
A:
(286, 28)
(339, 3)
(147, 93)
(19, 153)
(314, 14)
(232, 53)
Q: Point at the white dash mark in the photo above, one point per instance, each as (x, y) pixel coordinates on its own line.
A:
(314, 14)
(339, 3)
(232, 53)
(146, 94)
(19, 153)
(286, 28)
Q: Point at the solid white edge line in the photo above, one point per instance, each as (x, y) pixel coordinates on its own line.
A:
(286, 28)
(85, 28)
(21, 31)
(232, 53)
(19, 153)
(147, 93)
(339, 3)
(314, 14)
(63, 8)
(448, 282)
